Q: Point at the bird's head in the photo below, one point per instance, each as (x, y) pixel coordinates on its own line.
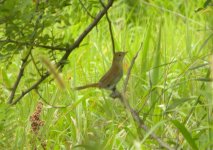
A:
(119, 56)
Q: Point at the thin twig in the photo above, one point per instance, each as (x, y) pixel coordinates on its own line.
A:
(34, 63)
(88, 13)
(33, 44)
(34, 86)
(76, 44)
(130, 69)
(85, 32)
(110, 29)
(111, 33)
(45, 101)
(19, 77)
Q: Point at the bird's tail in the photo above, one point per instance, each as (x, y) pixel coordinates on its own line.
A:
(87, 86)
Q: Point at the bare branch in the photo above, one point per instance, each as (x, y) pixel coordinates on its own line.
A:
(34, 86)
(20, 75)
(45, 101)
(34, 63)
(110, 29)
(88, 13)
(34, 44)
(130, 69)
(111, 33)
(84, 34)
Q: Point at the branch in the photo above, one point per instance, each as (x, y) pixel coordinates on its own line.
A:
(84, 34)
(34, 63)
(76, 44)
(20, 75)
(88, 13)
(33, 44)
(133, 112)
(110, 29)
(34, 86)
(24, 62)
(130, 69)
(46, 102)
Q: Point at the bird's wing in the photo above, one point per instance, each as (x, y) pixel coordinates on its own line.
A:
(111, 78)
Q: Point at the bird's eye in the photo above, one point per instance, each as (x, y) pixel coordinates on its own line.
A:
(119, 55)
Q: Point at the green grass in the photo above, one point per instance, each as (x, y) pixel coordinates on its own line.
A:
(164, 85)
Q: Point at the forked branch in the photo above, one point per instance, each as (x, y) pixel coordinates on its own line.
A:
(64, 58)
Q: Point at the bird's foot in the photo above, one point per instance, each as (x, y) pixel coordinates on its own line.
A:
(115, 94)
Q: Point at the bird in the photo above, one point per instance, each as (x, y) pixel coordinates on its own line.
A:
(110, 79)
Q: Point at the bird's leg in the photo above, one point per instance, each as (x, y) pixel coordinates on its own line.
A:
(114, 93)
(114, 89)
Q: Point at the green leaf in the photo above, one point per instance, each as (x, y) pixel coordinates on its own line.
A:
(185, 134)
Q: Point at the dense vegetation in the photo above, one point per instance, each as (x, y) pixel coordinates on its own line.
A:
(47, 47)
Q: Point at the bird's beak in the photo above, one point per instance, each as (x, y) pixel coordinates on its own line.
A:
(125, 52)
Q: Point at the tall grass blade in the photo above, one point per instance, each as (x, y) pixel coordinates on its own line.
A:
(185, 134)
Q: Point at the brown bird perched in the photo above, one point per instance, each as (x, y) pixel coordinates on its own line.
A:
(112, 76)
